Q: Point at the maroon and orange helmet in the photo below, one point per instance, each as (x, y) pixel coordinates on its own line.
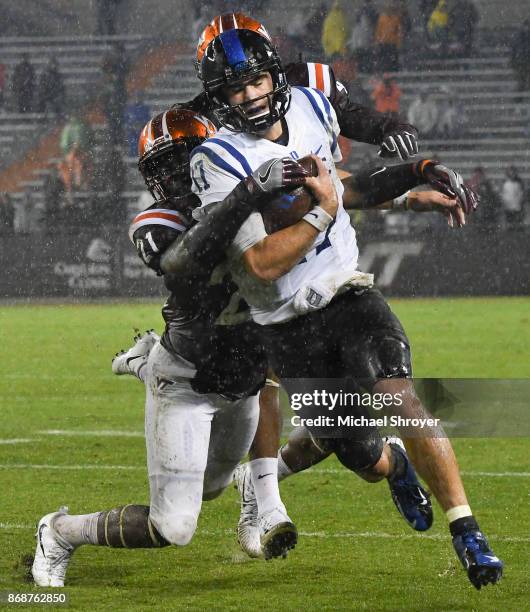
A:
(164, 149)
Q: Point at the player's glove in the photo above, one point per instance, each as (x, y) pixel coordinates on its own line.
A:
(277, 175)
(151, 242)
(401, 143)
(449, 182)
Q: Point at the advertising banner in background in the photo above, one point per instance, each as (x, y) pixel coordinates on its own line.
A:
(103, 263)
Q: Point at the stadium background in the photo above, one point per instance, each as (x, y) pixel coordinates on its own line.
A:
(157, 60)
(72, 433)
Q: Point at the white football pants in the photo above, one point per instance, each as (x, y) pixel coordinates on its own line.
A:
(194, 442)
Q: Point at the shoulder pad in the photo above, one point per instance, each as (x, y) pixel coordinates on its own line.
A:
(158, 217)
(320, 76)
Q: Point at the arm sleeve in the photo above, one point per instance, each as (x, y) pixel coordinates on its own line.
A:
(206, 243)
(379, 185)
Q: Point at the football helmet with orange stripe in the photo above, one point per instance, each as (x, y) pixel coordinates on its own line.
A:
(234, 58)
(223, 23)
(164, 151)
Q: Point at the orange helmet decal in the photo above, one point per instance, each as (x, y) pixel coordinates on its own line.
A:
(228, 21)
(171, 126)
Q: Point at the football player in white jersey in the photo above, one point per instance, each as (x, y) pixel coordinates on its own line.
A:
(350, 334)
(202, 378)
(396, 138)
(358, 123)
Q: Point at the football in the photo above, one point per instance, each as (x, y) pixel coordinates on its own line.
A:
(288, 208)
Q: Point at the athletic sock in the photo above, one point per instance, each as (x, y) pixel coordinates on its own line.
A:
(468, 523)
(399, 463)
(265, 480)
(78, 529)
(460, 520)
(283, 469)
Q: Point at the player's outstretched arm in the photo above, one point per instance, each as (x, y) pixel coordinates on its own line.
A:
(397, 138)
(277, 253)
(415, 201)
(204, 245)
(374, 187)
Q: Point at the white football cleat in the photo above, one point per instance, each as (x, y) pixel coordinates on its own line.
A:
(278, 533)
(247, 527)
(52, 553)
(139, 352)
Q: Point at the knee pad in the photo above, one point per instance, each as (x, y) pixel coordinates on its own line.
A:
(390, 357)
(357, 455)
(177, 529)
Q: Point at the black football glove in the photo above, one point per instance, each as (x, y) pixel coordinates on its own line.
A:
(277, 175)
(449, 182)
(402, 143)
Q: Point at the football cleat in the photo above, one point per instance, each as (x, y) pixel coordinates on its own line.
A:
(247, 527)
(410, 498)
(143, 343)
(52, 553)
(277, 532)
(479, 561)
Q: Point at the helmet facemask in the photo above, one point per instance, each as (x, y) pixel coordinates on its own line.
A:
(238, 118)
(253, 55)
(166, 170)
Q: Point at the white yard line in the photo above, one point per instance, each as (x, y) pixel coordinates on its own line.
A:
(497, 474)
(90, 466)
(16, 440)
(26, 376)
(393, 536)
(464, 473)
(99, 432)
(105, 466)
(326, 534)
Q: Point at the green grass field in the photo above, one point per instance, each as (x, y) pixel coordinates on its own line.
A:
(354, 552)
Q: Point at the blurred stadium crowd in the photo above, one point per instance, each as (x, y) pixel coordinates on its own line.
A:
(71, 106)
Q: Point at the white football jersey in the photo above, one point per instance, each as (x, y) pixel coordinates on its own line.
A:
(221, 162)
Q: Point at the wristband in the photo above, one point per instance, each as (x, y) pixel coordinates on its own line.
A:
(401, 202)
(419, 167)
(318, 218)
